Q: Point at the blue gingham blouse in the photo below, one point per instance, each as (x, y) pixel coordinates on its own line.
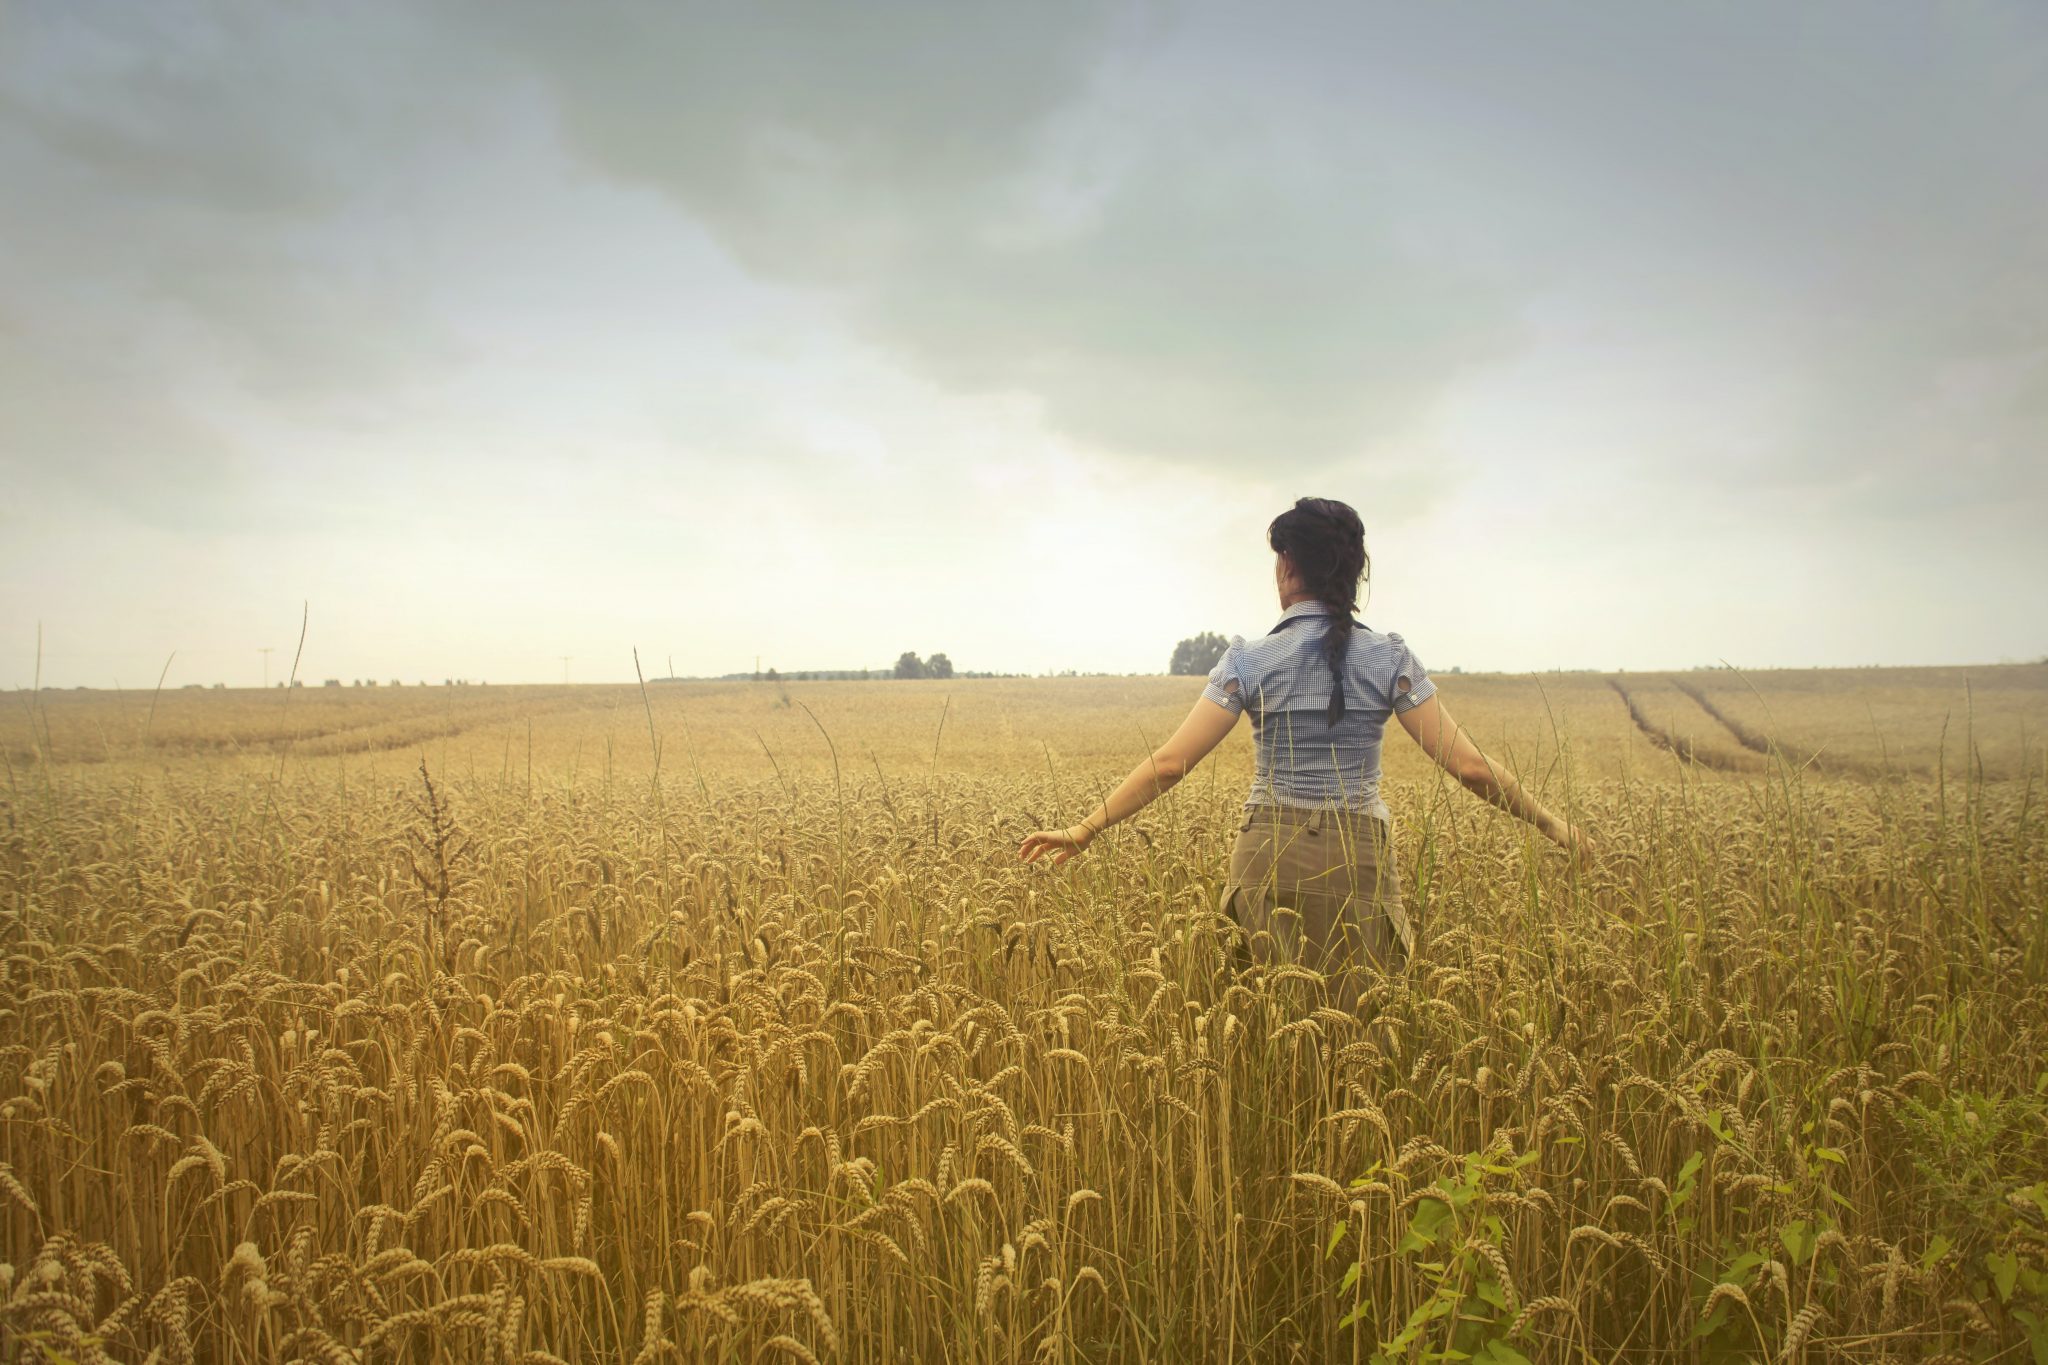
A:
(1283, 680)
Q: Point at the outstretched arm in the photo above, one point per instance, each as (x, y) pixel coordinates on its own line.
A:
(1202, 731)
(1431, 726)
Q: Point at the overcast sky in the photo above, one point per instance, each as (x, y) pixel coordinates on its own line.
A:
(1641, 335)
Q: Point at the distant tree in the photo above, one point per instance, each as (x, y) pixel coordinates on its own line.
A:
(1197, 654)
(909, 666)
(773, 676)
(938, 666)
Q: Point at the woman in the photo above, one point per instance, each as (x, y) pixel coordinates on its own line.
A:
(1312, 875)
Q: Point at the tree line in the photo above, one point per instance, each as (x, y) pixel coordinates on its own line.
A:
(908, 665)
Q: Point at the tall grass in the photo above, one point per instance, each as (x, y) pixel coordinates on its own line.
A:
(682, 1070)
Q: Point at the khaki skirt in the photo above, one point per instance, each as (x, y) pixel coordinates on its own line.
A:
(1318, 887)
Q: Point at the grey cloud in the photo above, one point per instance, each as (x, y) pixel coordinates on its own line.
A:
(1297, 228)
(79, 424)
(1846, 203)
(192, 195)
(819, 140)
(1212, 310)
(1271, 237)
(1229, 294)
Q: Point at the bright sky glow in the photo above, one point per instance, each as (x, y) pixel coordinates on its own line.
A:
(1641, 335)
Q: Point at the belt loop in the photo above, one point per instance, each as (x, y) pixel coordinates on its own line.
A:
(1315, 821)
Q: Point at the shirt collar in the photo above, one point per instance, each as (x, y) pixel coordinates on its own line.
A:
(1308, 606)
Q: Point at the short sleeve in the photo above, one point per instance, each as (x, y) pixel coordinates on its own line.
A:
(1226, 684)
(1411, 685)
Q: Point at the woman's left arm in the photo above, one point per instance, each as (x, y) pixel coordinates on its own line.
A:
(1202, 731)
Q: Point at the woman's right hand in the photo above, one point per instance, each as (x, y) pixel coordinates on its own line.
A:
(1575, 841)
(1061, 843)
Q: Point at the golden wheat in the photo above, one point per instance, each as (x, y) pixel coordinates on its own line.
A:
(304, 1062)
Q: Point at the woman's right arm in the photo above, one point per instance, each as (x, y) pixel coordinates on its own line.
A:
(1431, 726)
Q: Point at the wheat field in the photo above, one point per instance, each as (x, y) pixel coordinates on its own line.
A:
(720, 1023)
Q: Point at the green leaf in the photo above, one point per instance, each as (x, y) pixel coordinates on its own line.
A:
(1428, 1223)
(1336, 1236)
(1798, 1238)
(1406, 1337)
(1350, 1277)
(2005, 1272)
(1358, 1311)
(1831, 1154)
(1936, 1249)
(1499, 1353)
(2037, 1333)
(1738, 1269)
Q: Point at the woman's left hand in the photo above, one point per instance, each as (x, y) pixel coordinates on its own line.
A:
(1061, 843)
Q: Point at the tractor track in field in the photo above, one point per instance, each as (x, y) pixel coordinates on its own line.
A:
(1671, 743)
(1743, 735)
(1757, 744)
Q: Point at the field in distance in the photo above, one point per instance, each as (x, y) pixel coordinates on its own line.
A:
(720, 1022)
(1843, 722)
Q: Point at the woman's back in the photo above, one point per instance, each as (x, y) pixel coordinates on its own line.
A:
(1284, 681)
(1312, 875)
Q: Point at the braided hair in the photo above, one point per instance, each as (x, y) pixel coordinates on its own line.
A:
(1325, 540)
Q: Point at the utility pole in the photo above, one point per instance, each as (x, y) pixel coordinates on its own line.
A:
(565, 667)
(265, 652)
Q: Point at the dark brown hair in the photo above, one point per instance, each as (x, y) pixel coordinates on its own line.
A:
(1325, 540)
